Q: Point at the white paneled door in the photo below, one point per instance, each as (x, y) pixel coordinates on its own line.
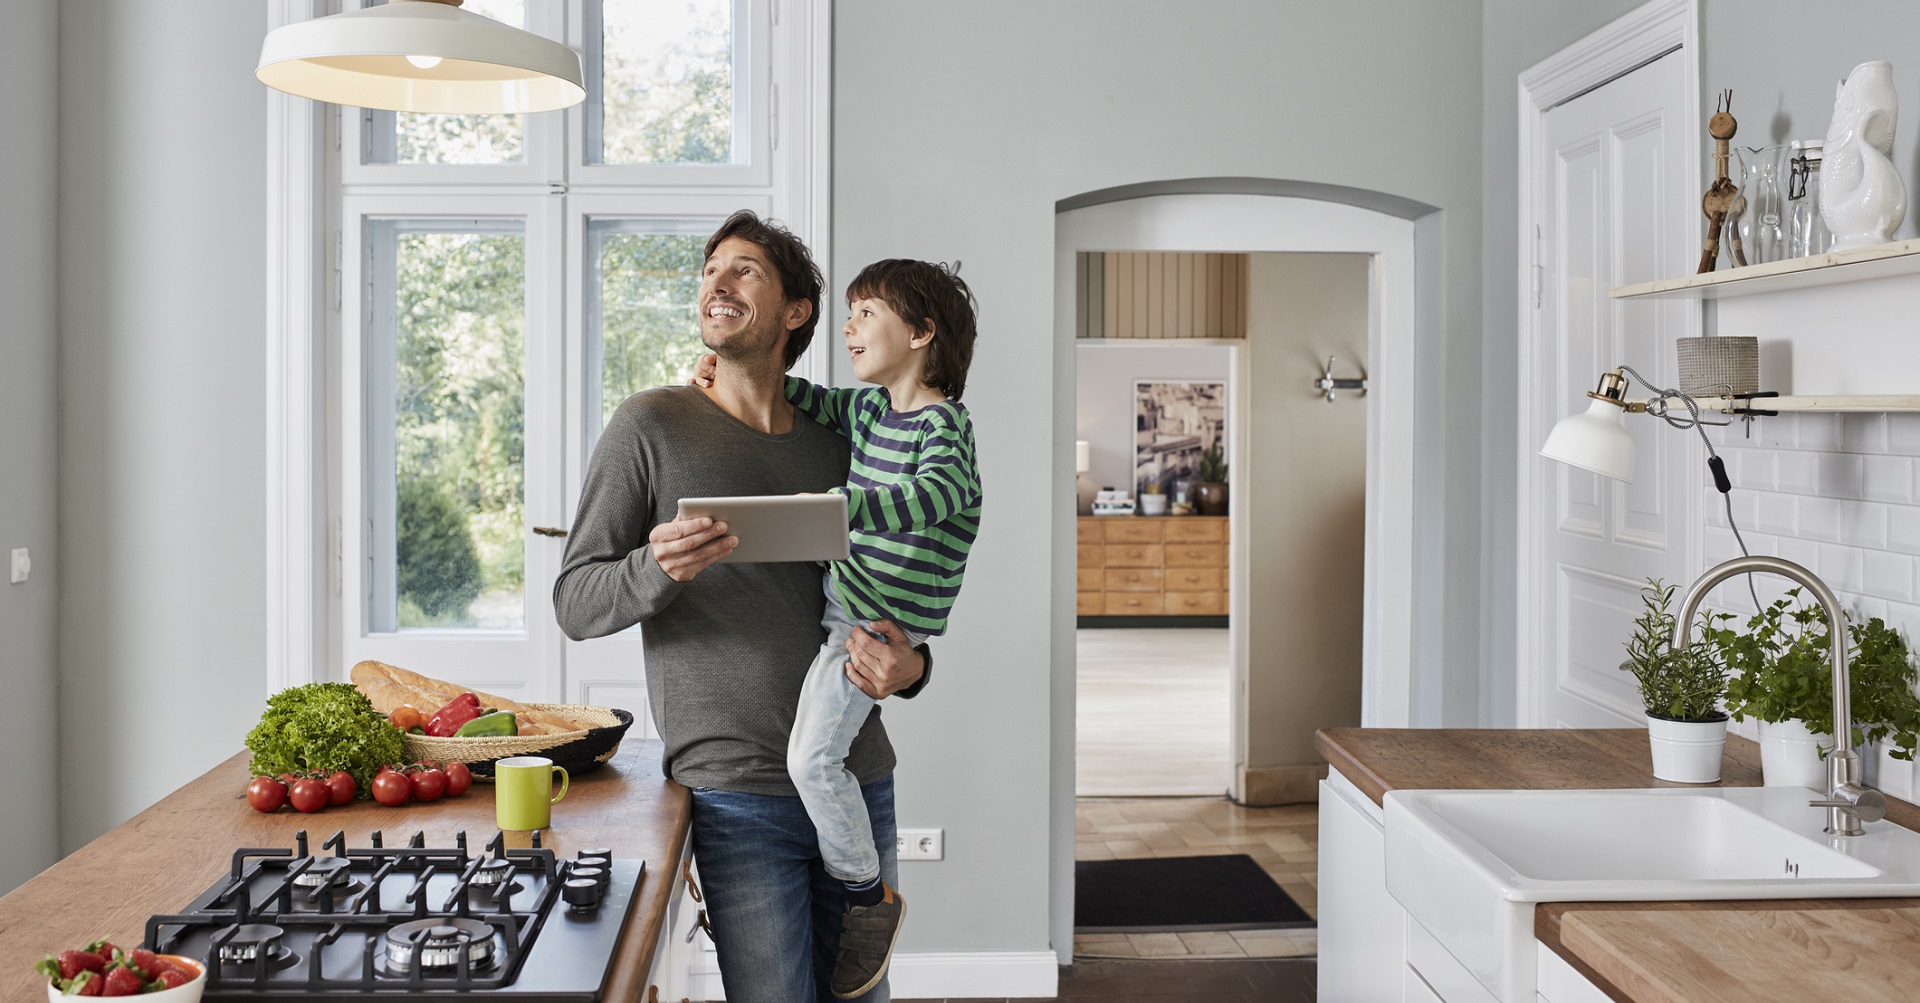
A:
(1616, 206)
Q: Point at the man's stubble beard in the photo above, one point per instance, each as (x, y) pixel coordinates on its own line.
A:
(754, 345)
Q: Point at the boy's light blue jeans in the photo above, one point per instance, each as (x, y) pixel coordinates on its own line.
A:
(775, 912)
(830, 714)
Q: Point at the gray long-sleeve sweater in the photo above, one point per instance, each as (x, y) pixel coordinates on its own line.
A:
(726, 652)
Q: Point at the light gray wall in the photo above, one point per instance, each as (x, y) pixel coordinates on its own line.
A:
(1514, 35)
(1308, 491)
(29, 40)
(956, 129)
(1783, 57)
(162, 157)
(1105, 377)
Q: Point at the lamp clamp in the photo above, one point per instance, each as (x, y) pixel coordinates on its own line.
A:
(1613, 389)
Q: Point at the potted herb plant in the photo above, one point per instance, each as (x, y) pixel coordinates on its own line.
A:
(1782, 675)
(1210, 495)
(1681, 690)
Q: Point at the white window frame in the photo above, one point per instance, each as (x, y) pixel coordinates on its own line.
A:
(309, 177)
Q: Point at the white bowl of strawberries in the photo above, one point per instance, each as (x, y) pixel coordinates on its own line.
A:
(101, 969)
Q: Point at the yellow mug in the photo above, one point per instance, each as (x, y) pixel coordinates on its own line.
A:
(523, 794)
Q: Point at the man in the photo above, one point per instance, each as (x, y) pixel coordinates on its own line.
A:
(728, 645)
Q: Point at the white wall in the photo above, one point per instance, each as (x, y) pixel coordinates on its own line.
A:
(162, 158)
(29, 834)
(1104, 379)
(956, 129)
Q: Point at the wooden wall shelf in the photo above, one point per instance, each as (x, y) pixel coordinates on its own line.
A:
(1876, 262)
(1823, 403)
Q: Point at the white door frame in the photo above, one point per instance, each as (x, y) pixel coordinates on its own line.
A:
(1633, 40)
(1317, 220)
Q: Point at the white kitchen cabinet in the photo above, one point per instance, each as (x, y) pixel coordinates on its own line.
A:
(1562, 983)
(671, 976)
(1362, 929)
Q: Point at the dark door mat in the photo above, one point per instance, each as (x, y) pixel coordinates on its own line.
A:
(1174, 894)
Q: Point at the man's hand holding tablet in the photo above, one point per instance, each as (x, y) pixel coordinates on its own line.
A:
(768, 528)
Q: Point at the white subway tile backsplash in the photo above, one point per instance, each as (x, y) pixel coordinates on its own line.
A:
(1811, 431)
(1796, 473)
(1819, 518)
(1863, 524)
(1903, 528)
(1783, 432)
(1887, 478)
(1803, 553)
(1777, 513)
(1863, 433)
(1840, 475)
(1903, 433)
(1889, 576)
(1841, 567)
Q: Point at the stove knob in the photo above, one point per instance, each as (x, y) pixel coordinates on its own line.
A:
(598, 875)
(581, 893)
(598, 855)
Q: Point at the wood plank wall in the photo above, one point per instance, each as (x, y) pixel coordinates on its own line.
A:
(1129, 294)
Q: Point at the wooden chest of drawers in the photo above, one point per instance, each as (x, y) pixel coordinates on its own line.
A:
(1152, 566)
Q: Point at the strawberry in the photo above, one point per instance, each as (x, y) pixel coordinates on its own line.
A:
(87, 984)
(124, 982)
(146, 962)
(72, 963)
(173, 978)
(105, 949)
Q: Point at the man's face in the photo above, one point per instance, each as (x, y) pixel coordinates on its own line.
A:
(743, 311)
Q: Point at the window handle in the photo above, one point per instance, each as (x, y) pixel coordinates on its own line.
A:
(549, 531)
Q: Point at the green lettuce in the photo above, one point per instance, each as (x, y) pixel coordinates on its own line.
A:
(324, 727)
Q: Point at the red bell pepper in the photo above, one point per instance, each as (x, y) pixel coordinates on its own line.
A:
(457, 712)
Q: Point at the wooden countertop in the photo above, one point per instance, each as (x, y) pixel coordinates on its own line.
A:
(1656, 952)
(161, 859)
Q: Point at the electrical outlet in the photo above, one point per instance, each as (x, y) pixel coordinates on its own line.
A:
(922, 844)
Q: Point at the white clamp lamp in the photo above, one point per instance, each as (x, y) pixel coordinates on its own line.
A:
(1596, 439)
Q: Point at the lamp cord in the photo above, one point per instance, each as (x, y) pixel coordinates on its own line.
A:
(1658, 408)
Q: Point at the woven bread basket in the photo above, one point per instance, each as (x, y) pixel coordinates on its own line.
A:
(577, 751)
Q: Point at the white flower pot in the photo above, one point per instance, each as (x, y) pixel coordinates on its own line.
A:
(1686, 752)
(1790, 755)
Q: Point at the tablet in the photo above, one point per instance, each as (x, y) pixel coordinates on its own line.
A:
(778, 527)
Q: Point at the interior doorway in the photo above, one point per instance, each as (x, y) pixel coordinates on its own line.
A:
(1264, 217)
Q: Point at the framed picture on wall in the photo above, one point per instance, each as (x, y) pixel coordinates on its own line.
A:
(1174, 422)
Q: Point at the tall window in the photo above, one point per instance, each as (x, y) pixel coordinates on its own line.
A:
(507, 281)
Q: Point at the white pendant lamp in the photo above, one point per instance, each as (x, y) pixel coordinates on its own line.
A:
(1596, 439)
(423, 56)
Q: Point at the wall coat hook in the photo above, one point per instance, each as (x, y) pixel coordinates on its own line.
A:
(1327, 384)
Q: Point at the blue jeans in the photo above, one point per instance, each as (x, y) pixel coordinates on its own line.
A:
(828, 718)
(775, 911)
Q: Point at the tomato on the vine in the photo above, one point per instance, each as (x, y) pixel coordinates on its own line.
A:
(459, 778)
(392, 788)
(429, 784)
(308, 795)
(340, 788)
(266, 794)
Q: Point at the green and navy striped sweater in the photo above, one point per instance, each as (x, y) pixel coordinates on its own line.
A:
(913, 503)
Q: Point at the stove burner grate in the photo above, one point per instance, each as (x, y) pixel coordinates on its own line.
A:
(440, 940)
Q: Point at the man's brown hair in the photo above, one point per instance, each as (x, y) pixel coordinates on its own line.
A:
(799, 276)
(928, 297)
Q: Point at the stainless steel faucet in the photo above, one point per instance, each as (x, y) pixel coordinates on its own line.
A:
(1849, 802)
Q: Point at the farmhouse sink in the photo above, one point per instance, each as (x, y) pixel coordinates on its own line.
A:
(1470, 865)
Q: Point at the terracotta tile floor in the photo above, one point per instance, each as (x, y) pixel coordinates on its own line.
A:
(1284, 841)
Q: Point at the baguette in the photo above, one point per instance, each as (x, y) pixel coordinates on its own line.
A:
(389, 686)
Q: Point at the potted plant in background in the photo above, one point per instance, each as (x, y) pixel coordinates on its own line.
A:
(1681, 689)
(1210, 495)
(1782, 675)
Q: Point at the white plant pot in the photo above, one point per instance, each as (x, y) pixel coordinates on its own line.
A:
(1686, 752)
(1790, 755)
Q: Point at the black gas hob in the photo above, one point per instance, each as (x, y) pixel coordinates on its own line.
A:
(375, 922)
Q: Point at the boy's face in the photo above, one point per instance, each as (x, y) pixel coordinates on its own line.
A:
(885, 349)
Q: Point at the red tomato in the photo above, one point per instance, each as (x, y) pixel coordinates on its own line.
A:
(288, 779)
(266, 794)
(459, 778)
(341, 788)
(308, 795)
(392, 788)
(429, 784)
